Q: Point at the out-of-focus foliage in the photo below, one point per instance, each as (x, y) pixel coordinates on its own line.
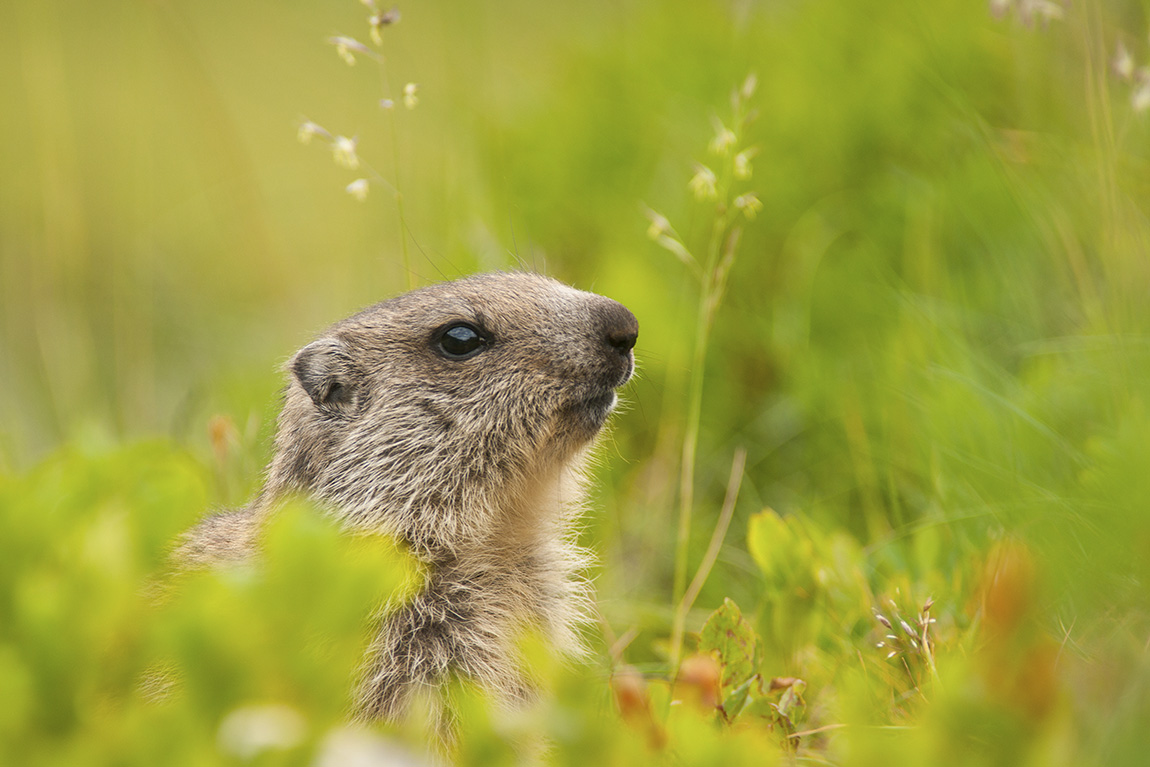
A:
(108, 657)
(933, 344)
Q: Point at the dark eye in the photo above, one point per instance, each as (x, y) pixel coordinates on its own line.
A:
(461, 341)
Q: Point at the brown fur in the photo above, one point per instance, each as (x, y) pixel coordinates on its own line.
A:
(475, 463)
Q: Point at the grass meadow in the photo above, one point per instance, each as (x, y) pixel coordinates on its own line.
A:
(880, 493)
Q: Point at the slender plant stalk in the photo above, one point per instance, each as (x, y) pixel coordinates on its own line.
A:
(734, 483)
(712, 274)
(707, 304)
(410, 276)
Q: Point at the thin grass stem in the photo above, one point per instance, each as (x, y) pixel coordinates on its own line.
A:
(406, 256)
(708, 302)
(734, 483)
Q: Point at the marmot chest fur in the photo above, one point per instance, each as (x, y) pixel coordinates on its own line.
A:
(456, 418)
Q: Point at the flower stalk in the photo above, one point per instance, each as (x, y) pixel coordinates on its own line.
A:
(730, 211)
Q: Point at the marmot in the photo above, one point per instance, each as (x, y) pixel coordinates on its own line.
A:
(457, 418)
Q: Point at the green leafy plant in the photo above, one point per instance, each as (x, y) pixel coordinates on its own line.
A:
(914, 345)
(730, 639)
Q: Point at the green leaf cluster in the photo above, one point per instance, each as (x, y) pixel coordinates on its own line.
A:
(109, 657)
(730, 639)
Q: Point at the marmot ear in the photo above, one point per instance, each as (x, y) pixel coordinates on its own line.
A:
(325, 371)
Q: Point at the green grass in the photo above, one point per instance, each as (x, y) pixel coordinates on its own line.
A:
(932, 347)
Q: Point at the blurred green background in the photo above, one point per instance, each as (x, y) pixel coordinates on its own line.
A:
(935, 338)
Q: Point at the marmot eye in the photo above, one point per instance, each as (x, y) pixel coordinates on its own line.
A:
(461, 341)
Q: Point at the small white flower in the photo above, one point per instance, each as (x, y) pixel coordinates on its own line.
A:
(409, 97)
(358, 189)
(724, 139)
(1123, 62)
(344, 46)
(250, 730)
(702, 184)
(749, 204)
(354, 747)
(308, 129)
(659, 225)
(1140, 98)
(1043, 10)
(386, 104)
(343, 150)
(742, 164)
(749, 86)
(998, 8)
(379, 20)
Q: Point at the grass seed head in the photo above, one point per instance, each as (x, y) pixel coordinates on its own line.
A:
(1122, 63)
(358, 189)
(702, 184)
(749, 204)
(347, 47)
(343, 150)
(742, 163)
(724, 139)
(409, 95)
(308, 129)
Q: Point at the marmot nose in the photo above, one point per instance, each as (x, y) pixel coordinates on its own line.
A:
(620, 328)
(623, 341)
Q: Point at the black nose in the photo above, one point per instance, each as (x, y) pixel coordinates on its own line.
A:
(620, 328)
(623, 341)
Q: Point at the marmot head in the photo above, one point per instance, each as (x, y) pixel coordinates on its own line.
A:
(417, 415)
